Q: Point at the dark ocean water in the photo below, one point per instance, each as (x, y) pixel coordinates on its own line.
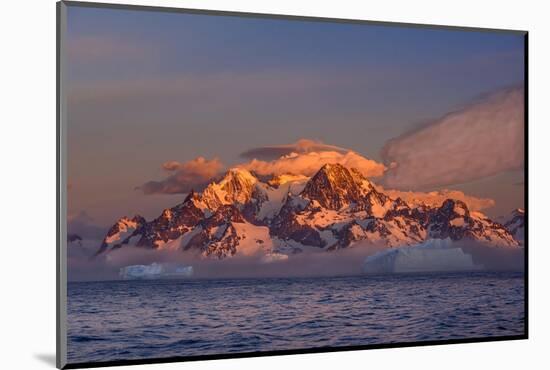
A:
(119, 320)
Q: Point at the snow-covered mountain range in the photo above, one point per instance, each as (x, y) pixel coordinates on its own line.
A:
(334, 209)
(515, 224)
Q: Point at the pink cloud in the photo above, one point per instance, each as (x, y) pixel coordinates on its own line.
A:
(309, 163)
(436, 198)
(194, 174)
(172, 165)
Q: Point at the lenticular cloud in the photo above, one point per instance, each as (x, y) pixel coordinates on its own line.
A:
(481, 140)
(301, 146)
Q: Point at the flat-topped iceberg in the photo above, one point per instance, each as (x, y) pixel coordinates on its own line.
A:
(155, 271)
(273, 257)
(433, 255)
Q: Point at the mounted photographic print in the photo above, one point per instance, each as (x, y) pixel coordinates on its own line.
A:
(236, 184)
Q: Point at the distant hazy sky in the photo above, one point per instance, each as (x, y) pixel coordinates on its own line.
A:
(148, 87)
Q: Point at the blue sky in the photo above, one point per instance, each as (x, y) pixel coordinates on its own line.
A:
(148, 87)
(202, 44)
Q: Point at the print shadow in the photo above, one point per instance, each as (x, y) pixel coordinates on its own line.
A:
(47, 358)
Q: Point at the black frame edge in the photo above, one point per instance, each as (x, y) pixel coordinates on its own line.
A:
(526, 178)
(304, 351)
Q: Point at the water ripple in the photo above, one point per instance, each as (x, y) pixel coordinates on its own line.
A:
(139, 319)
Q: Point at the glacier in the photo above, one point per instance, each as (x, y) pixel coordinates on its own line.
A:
(155, 271)
(433, 255)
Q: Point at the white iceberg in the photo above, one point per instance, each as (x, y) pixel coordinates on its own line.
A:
(433, 255)
(154, 271)
(273, 257)
(179, 271)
